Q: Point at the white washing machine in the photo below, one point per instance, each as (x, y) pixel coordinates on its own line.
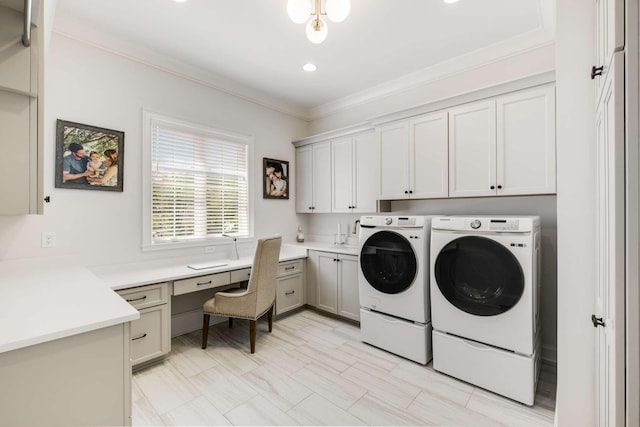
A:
(485, 301)
(393, 283)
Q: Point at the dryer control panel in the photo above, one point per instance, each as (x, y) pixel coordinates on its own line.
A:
(482, 223)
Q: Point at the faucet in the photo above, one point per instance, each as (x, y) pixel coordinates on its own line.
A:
(234, 249)
(355, 226)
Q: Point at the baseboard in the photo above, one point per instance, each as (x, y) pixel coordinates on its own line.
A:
(189, 321)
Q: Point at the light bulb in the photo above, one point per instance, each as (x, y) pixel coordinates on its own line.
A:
(299, 10)
(338, 10)
(317, 30)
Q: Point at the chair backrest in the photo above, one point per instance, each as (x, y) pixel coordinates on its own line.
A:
(264, 272)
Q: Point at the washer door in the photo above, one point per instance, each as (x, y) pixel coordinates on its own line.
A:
(479, 276)
(388, 262)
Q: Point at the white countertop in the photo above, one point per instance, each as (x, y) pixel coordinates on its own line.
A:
(47, 299)
(328, 247)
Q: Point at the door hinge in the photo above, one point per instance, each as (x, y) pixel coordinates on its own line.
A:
(597, 321)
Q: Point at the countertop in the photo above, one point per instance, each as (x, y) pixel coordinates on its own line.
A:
(47, 299)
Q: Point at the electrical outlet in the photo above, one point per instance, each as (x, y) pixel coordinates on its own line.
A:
(48, 239)
(209, 249)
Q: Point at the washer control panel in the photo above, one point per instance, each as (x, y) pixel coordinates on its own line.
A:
(475, 224)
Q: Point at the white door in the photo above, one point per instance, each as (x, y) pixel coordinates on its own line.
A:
(348, 296)
(342, 161)
(15, 165)
(609, 316)
(15, 58)
(367, 159)
(304, 179)
(429, 156)
(322, 177)
(394, 160)
(472, 150)
(609, 37)
(327, 282)
(526, 142)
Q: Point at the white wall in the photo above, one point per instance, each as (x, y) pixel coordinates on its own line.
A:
(88, 85)
(575, 55)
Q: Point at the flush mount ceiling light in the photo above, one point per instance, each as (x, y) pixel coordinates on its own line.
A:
(451, 1)
(301, 10)
(309, 67)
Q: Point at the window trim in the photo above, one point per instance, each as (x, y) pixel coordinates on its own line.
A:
(229, 135)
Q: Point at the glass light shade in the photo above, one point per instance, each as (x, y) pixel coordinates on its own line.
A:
(317, 30)
(299, 10)
(338, 10)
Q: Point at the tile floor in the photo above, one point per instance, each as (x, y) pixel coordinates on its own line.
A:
(313, 370)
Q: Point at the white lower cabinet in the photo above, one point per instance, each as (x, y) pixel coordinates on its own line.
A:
(336, 283)
(290, 288)
(151, 334)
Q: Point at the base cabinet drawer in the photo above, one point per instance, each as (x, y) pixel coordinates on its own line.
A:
(150, 335)
(199, 283)
(146, 296)
(289, 293)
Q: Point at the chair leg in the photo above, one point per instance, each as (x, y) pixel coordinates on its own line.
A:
(205, 330)
(252, 335)
(230, 322)
(270, 319)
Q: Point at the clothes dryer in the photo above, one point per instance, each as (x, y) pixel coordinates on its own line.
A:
(485, 301)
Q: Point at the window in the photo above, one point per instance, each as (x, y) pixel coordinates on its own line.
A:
(197, 182)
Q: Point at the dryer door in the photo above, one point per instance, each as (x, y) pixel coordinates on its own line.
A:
(388, 262)
(479, 276)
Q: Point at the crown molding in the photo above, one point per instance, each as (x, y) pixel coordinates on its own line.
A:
(335, 133)
(70, 28)
(522, 44)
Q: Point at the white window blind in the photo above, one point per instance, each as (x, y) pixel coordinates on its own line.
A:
(199, 183)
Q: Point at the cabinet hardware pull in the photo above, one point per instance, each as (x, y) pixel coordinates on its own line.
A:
(493, 187)
(137, 299)
(47, 199)
(596, 71)
(597, 321)
(26, 35)
(499, 187)
(410, 191)
(290, 268)
(290, 293)
(139, 338)
(406, 192)
(205, 283)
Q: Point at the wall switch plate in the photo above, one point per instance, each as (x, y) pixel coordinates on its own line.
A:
(209, 249)
(48, 239)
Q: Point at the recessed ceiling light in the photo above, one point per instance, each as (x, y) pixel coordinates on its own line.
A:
(180, 1)
(450, 1)
(309, 67)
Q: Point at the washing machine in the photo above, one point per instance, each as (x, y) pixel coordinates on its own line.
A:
(484, 291)
(393, 283)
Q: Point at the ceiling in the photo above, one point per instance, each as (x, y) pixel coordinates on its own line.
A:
(251, 48)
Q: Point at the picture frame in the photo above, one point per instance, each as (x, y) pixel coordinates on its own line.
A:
(275, 181)
(89, 157)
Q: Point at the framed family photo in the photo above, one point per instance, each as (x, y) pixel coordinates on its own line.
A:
(88, 157)
(276, 179)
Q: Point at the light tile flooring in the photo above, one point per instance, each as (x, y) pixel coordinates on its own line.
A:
(314, 370)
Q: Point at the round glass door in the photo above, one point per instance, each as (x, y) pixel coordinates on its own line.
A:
(479, 276)
(388, 262)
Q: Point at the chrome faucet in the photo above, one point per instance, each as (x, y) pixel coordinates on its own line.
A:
(234, 249)
(355, 226)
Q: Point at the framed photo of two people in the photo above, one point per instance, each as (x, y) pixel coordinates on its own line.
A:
(276, 179)
(89, 157)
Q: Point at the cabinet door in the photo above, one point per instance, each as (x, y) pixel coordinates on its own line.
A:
(394, 160)
(366, 164)
(429, 172)
(150, 334)
(348, 297)
(526, 142)
(321, 177)
(15, 165)
(609, 36)
(472, 150)
(342, 161)
(304, 179)
(327, 282)
(289, 294)
(15, 58)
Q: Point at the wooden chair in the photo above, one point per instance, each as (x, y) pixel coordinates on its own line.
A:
(256, 300)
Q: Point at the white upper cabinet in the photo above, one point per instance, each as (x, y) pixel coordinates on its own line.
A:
(313, 178)
(354, 173)
(505, 146)
(526, 142)
(609, 38)
(15, 58)
(413, 156)
(472, 150)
